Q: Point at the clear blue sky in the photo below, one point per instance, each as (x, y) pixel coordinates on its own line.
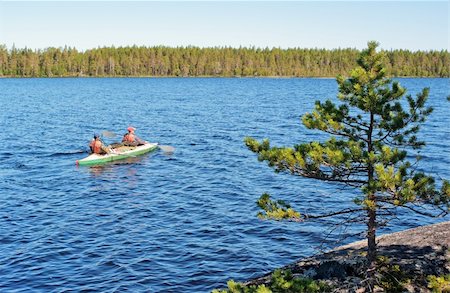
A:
(412, 25)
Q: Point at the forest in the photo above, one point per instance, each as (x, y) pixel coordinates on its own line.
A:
(191, 61)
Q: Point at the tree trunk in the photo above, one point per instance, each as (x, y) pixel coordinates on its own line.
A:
(371, 221)
(371, 248)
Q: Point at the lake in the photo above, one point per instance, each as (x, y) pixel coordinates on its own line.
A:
(184, 222)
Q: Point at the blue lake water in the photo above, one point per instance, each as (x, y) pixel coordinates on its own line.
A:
(165, 223)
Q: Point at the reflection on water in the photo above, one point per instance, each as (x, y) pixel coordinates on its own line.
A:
(121, 175)
(110, 168)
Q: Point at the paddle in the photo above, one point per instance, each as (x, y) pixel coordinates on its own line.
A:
(165, 148)
(109, 134)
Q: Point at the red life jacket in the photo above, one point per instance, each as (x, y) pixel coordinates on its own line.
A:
(129, 137)
(96, 146)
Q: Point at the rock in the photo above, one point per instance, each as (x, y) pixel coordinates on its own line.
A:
(418, 252)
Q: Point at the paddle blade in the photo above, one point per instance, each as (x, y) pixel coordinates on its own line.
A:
(167, 148)
(107, 133)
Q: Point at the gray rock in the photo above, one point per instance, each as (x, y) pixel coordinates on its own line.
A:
(419, 252)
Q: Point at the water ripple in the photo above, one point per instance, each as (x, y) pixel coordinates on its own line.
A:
(184, 222)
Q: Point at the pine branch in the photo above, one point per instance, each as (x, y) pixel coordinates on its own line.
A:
(346, 211)
(352, 137)
(423, 213)
(323, 177)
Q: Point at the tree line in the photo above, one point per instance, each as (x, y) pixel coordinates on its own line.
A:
(193, 61)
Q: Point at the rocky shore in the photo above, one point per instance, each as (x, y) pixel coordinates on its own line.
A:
(409, 257)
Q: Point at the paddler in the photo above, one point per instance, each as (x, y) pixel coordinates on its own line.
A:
(97, 146)
(131, 139)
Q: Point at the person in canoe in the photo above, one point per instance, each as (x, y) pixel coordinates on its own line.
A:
(131, 139)
(97, 146)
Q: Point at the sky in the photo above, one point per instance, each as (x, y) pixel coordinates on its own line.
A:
(412, 25)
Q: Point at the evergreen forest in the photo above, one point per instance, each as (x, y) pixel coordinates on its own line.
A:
(193, 61)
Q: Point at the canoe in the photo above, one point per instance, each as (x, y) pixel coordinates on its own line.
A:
(120, 153)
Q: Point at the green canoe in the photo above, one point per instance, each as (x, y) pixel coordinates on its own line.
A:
(119, 153)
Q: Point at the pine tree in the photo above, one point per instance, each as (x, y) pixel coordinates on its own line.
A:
(370, 133)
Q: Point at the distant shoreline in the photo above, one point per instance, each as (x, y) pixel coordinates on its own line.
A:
(164, 61)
